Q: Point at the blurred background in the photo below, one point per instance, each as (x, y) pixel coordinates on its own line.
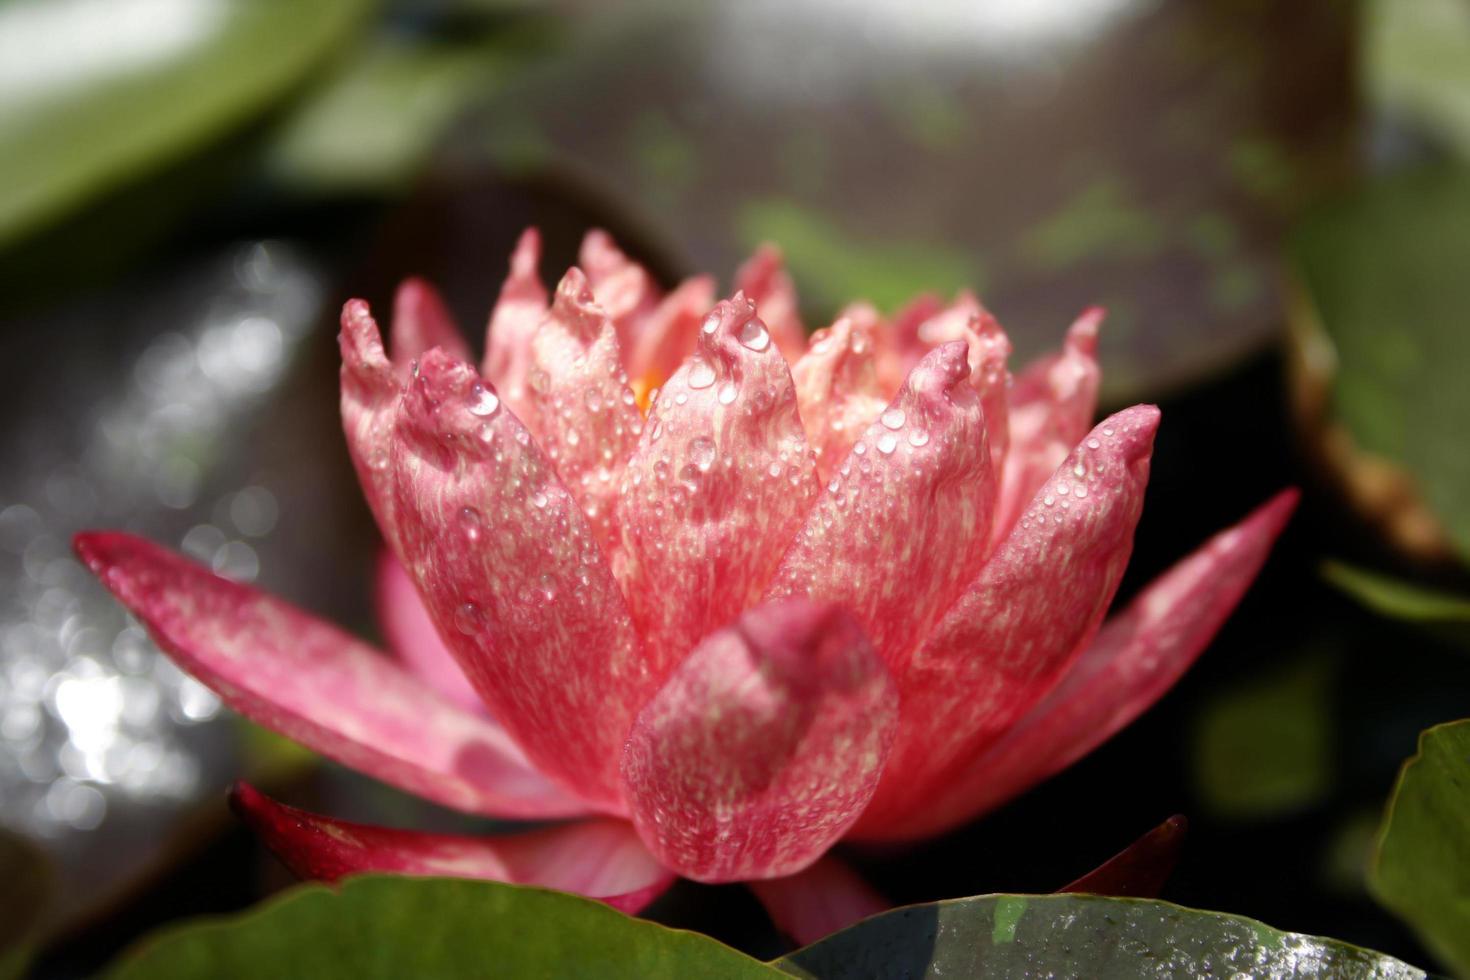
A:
(1272, 200)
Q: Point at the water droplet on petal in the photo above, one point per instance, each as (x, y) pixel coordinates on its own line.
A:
(483, 401)
(471, 522)
(711, 323)
(893, 418)
(701, 375)
(593, 400)
(753, 334)
(728, 393)
(702, 452)
(918, 437)
(539, 499)
(468, 619)
(887, 443)
(1093, 444)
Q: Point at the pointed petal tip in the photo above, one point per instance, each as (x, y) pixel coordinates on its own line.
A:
(360, 339)
(1132, 431)
(942, 372)
(447, 399)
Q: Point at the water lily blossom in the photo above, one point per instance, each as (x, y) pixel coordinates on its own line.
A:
(715, 595)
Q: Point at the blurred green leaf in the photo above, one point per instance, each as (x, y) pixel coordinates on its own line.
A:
(1002, 936)
(1416, 61)
(396, 927)
(1395, 597)
(1384, 273)
(1265, 748)
(25, 888)
(99, 93)
(1422, 867)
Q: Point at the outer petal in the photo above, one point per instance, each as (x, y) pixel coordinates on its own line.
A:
(623, 287)
(515, 580)
(721, 479)
(369, 401)
(990, 349)
(1019, 624)
(601, 859)
(586, 417)
(421, 321)
(668, 334)
(1141, 869)
(307, 680)
(413, 638)
(1051, 406)
(826, 897)
(837, 389)
(763, 747)
(764, 281)
(1136, 657)
(904, 523)
(513, 322)
(899, 346)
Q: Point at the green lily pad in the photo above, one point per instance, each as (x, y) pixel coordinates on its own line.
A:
(1422, 866)
(1397, 598)
(23, 899)
(1384, 284)
(1000, 936)
(394, 927)
(114, 90)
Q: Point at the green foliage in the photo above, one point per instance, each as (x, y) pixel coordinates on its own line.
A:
(25, 889)
(1396, 598)
(1422, 866)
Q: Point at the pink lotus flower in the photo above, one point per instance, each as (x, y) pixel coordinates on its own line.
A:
(845, 588)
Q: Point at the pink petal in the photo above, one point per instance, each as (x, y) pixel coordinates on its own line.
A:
(899, 347)
(990, 349)
(837, 389)
(1137, 656)
(1051, 407)
(309, 681)
(904, 522)
(667, 336)
(513, 322)
(1141, 869)
(1017, 627)
(721, 479)
(600, 859)
(825, 898)
(369, 402)
(421, 321)
(763, 746)
(414, 640)
(764, 281)
(623, 288)
(586, 417)
(515, 580)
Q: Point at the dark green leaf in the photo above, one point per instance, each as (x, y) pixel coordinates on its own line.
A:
(1422, 866)
(26, 888)
(116, 89)
(1396, 598)
(1000, 936)
(395, 927)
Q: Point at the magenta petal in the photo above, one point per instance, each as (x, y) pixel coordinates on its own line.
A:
(763, 747)
(667, 335)
(765, 282)
(513, 322)
(1136, 657)
(601, 859)
(623, 288)
(837, 388)
(514, 578)
(369, 404)
(309, 681)
(412, 637)
(823, 899)
(1019, 624)
(1141, 869)
(421, 321)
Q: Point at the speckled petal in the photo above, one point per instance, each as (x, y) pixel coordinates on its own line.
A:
(309, 681)
(669, 333)
(826, 897)
(721, 479)
(904, 522)
(1018, 626)
(515, 579)
(766, 283)
(421, 321)
(763, 746)
(518, 312)
(369, 403)
(1137, 656)
(837, 389)
(585, 415)
(899, 346)
(1052, 404)
(414, 640)
(965, 319)
(601, 859)
(622, 287)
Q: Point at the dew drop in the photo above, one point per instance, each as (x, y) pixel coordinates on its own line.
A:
(774, 469)
(728, 393)
(887, 443)
(483, 401)
(893, 418)
(471, 522)
(1093, 444)
(468, 619)
(593, 400)
(701, 375)
(753, 334)
(702, 453)
(860, 448)
(711, 323)
(539, 499)
(918, 437)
